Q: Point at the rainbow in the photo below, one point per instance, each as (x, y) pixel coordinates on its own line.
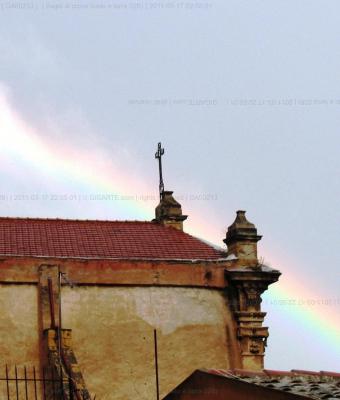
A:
(22, 143)
(311, 312)
(67, 166)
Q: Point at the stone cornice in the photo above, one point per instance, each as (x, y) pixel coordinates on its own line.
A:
(206, 274)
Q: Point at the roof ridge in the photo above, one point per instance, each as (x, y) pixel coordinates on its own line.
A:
(210, 244)
(72, 219)
(273, 372)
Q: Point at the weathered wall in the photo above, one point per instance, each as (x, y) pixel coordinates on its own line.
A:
(112, 311)
(19, 333)
(113, 336)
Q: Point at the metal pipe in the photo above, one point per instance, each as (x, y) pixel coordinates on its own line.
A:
(16, 382)
(156, 363)
(35, 384)
(26, 385)
(59, 322)
(7, 383)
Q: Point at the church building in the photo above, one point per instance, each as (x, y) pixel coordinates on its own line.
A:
(129, 309)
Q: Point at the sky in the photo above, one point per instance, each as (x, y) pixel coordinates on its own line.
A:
(243, 95)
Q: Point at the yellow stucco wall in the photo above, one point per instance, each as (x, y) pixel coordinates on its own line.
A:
(19, 334)
(112, 329)
(113, 336)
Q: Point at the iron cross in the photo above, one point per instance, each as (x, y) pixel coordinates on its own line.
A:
(158, 155)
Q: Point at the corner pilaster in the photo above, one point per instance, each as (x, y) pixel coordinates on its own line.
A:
(247, 286)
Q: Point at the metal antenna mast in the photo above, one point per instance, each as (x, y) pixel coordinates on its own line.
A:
(156, 362)
(158, 155)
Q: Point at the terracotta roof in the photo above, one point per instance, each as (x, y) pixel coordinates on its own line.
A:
(100, 239)
(311, 384)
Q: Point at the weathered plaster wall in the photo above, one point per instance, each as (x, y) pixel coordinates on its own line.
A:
(112, 312)
(113, 336)
(19, 333)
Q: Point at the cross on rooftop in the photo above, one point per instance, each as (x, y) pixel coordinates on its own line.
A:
(158, 155)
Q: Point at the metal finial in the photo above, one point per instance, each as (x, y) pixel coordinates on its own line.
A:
(158, 155)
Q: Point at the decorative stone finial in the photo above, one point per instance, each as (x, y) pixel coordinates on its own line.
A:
(169, 211)
(242, 238)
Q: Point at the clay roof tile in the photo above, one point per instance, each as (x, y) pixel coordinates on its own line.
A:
(63, 238)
